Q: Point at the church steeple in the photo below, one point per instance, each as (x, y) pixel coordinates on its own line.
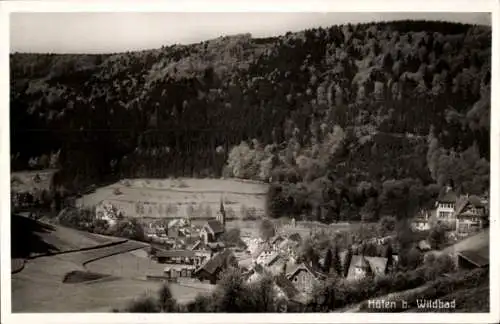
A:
(222, 213)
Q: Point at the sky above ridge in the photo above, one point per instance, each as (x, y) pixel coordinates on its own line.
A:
(128, 31)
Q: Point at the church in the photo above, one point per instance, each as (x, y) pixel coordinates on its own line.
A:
(214, 228)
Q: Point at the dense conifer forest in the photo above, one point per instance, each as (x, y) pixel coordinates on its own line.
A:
(346, 122)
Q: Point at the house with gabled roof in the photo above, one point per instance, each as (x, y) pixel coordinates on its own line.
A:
(267, 257)
(445, 205)
(212, 268)
(470, 215)
(363, 266)
(286, 290)
(305, 276)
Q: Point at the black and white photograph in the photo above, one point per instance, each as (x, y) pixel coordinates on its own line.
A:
(249, 162)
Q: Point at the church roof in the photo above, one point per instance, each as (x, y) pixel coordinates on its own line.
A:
(215, 226)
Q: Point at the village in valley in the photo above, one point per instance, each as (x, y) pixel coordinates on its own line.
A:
(197, 248)
(326, 169)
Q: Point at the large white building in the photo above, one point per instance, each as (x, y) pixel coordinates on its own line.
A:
(445, 206)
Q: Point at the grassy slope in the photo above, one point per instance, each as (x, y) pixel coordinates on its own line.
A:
(32, 238)
(39, 286)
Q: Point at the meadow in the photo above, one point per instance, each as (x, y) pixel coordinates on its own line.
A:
(172, 198)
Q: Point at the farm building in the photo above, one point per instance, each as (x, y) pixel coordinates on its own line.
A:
(304, 277)
(363, 266)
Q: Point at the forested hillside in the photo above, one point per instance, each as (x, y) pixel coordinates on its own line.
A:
(346, 122)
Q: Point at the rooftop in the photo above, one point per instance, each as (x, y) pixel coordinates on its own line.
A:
(286, 286)
(478, 258)
(376, 265)
(449, 197)
(215, 226)
(214, 263)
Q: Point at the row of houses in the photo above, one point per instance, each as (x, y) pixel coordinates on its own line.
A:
(204, 258)
(297, 284)
(467, 214)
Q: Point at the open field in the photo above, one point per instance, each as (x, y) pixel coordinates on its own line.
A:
(40, 288)
(172, 198)
(126, 265)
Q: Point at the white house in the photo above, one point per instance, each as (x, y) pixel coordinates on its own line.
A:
(445, 206)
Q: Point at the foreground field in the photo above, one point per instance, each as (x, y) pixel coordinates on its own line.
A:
(126, 265)
(39, 286)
